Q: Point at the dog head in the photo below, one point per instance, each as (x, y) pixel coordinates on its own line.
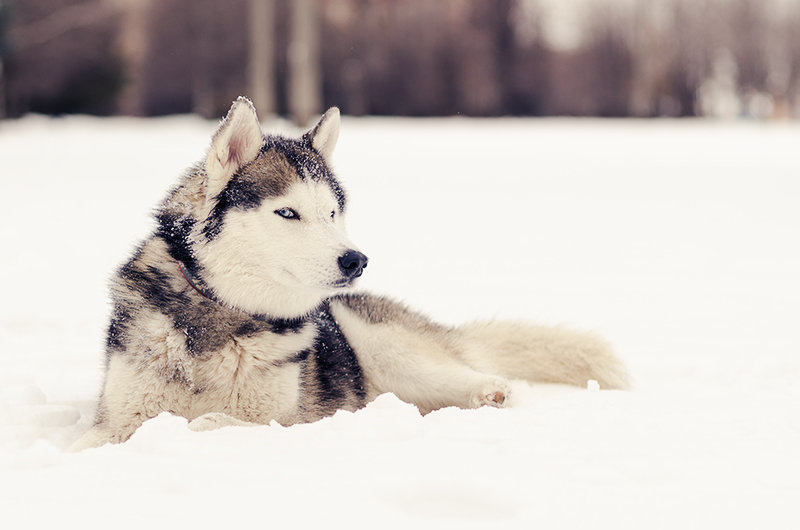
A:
(268, 235)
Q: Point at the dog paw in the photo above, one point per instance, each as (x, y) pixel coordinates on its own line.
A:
(494, 394)
(215, 420)
(95, 437)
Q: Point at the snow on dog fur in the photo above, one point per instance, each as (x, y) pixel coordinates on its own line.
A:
(236, 309)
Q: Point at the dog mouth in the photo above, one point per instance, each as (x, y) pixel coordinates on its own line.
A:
(344, 283)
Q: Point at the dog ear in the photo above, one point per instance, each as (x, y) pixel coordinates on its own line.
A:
(238, 140)
(325, 133)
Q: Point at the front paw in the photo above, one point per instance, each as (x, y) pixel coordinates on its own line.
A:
(494, 394)
(216, 420)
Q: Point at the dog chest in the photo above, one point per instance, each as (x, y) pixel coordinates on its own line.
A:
(254, 377)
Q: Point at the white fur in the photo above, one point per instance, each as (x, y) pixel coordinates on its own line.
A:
(138, 388)
(265, 264)
(470, 366)
(519, 350)
(418, 367)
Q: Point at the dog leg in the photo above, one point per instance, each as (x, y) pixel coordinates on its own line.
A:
(100, 435)
(130, 397)
(431, 380)
(417, 366)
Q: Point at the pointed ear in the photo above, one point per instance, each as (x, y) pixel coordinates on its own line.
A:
(325, 133)
(238, 140)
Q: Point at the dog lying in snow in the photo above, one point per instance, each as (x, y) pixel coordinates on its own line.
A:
(237, 308)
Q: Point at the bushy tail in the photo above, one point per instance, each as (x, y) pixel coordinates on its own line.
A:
(542, 354)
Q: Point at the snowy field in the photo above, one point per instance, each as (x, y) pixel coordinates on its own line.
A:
(677, 240)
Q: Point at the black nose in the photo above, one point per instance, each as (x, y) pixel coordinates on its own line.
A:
(352, 264)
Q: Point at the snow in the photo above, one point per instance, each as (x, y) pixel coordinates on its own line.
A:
(677, 240)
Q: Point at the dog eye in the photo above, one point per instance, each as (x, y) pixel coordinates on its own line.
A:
(287, 213)
(333, 213)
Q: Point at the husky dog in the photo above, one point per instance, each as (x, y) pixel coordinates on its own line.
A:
(235, 310)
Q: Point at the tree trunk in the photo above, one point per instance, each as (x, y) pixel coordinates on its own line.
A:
(202, 80)
(133, 42)
(261, 65)
(2, 92)
(305, 80)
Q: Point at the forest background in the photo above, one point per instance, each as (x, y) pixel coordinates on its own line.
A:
(609, 58)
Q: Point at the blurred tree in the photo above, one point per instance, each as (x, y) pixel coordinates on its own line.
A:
(410, 67)
(196, 56)
(2, 59)
(788, 88)
(261, 56)
(747, 41)
(528, 61)
(406, 57)
(61, 57)
(345, 71)
(689, 57)
(133, 45)
(607, 61)
(650, 42)
(672, 45)
(480, 54)
(201, 28)
(305, 78)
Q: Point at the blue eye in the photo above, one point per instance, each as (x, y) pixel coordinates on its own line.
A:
(287, 213)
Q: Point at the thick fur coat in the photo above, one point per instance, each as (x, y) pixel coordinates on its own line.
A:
(236, 309)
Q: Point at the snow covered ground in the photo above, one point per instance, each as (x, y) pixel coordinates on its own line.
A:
(677, 240)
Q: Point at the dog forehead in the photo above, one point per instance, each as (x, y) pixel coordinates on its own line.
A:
(270, 171)
(284, 162)
(311, 194)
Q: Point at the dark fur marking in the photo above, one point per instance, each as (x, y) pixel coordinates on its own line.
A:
(199, 321)
(298, 357)
(338, 370)
(284, 326)
(269, 175)
(198, 339)
(306, 161)
(256, 325)
(213, 224)
(118, 329)
(248, 329)
(206, 324)
(175, 231)
(153, 285)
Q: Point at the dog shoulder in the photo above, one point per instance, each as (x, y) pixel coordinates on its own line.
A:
(376, 310)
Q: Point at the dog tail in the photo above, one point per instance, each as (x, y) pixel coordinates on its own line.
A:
(542, 354)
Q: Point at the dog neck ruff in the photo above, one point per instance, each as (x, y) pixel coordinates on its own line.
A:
(196, 283)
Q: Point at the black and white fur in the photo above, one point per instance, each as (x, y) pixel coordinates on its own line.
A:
(234, 310)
